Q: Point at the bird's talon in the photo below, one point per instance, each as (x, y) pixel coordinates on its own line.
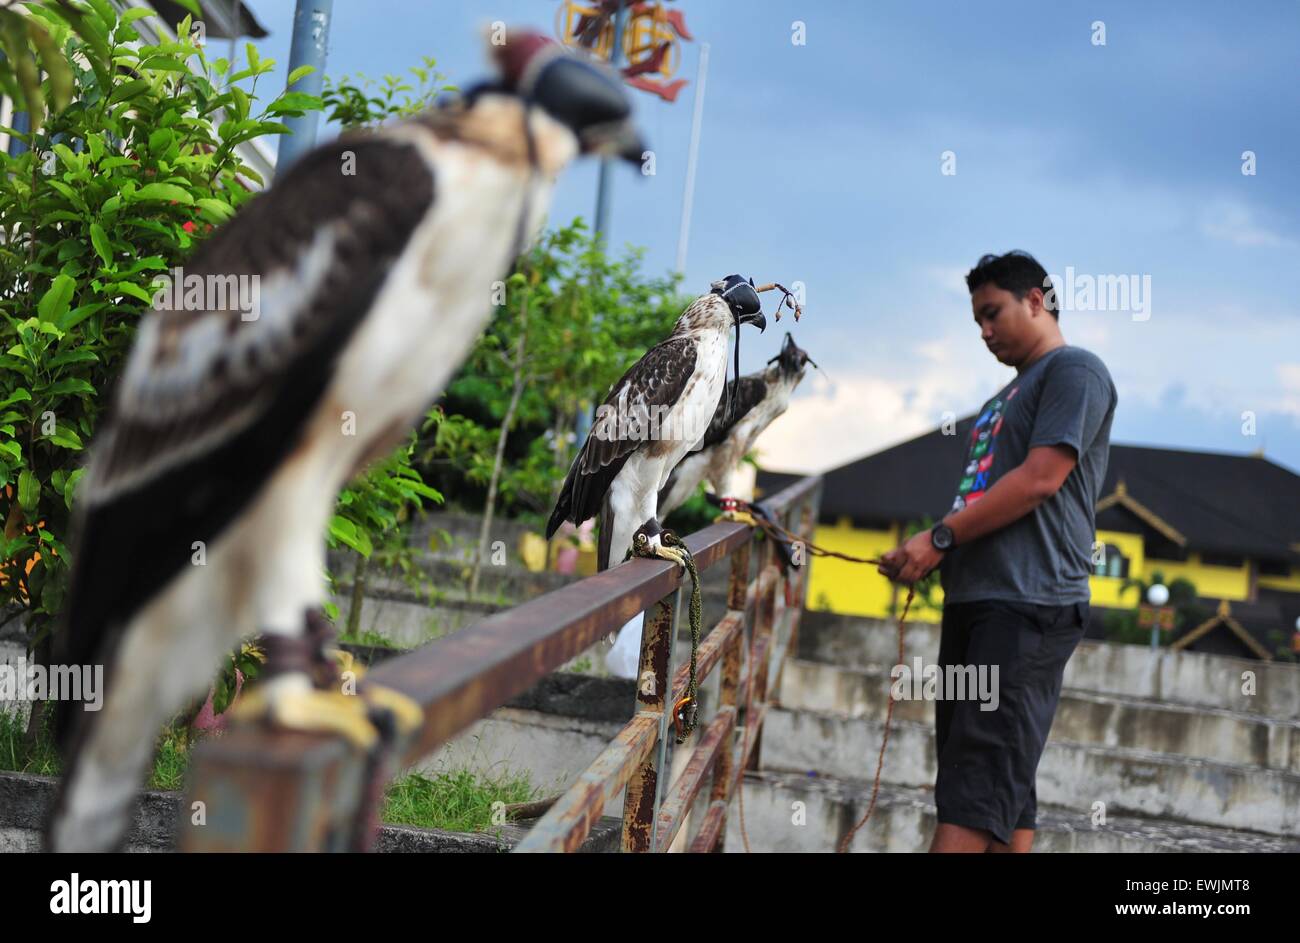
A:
(672, 554)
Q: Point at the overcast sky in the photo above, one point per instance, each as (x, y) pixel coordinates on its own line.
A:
(823, 163)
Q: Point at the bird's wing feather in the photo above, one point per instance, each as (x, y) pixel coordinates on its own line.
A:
(211, 402)
(655, 381)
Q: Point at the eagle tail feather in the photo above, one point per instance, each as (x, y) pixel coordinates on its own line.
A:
(606, 522)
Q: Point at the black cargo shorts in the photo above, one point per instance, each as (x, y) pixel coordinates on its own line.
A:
(988, 759)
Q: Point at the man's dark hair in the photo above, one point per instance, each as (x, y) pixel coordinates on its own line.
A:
(1016, 272)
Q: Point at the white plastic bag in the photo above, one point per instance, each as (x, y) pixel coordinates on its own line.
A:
(624, 658)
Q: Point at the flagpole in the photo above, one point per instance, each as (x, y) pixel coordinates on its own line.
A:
(605, 180)
(311, 31)
(688, 195)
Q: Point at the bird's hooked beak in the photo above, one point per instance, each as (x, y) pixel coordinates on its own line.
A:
(619, 139)
(757, 319)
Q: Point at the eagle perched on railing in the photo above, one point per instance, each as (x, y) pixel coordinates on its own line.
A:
(656, 413)
(230, 436)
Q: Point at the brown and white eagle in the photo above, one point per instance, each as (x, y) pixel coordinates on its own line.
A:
(203, 514)
(756, 400)
(653, 416)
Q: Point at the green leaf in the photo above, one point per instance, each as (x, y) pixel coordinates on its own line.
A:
(77, 355)
(55, 64)
(163, 64)
(66, 386)
(70, 486)
(29, 491)
(129, 90)
(54, 303)
(299, 72)
(139, 13)
(295, 101)
(99, 239)
(239, 103)
(19, 395)
(161, 139)
(105, 11)
(59, 216)
(346, 532)
(191, 5)
(79, 314)
(132, 289)
(217, 210)
(164, 191)
(66, 438)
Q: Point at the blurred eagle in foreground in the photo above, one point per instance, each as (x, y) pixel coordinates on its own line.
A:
(233, 430)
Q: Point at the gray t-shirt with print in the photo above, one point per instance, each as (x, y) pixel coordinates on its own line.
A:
(1066, 397)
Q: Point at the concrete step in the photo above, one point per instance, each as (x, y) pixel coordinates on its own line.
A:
(789, 812)
(1083, 717)
(1268, 689)
(1073, 775)
(25, 803)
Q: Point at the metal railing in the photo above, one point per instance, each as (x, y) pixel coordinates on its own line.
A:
(259, 789)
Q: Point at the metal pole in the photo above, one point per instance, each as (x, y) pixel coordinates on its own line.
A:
(688, 196)
(311, 31)
(606, 165)
(21, 121)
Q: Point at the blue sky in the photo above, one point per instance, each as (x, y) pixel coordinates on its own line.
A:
(821, 163)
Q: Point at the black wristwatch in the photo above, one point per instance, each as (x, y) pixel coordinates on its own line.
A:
(941, 537)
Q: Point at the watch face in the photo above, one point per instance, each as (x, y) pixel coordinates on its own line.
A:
(941, 537)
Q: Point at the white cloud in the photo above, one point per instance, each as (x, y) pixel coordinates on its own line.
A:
(1235, 222)
(837, 418)
(1289, 400)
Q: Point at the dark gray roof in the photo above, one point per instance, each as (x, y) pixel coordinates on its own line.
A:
(1222, 503)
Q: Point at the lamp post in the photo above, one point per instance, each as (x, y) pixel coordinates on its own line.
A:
(1157, 613)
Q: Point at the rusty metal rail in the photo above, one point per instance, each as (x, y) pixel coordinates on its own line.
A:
(268, 790)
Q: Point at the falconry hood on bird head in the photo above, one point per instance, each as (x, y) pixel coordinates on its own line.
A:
(581, 94)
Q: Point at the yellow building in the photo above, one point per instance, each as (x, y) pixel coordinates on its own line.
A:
(1230, 524)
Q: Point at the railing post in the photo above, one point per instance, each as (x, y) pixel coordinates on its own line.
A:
(764, 619)
(800, 520)
(654, 683)
(729, 686)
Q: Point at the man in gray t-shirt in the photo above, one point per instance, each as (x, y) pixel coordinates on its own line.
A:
(1014, 554)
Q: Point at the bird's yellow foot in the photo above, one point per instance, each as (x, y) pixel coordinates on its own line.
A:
(673, 549)
(291, 702)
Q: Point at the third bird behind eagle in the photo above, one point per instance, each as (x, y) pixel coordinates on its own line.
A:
(754, 402)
